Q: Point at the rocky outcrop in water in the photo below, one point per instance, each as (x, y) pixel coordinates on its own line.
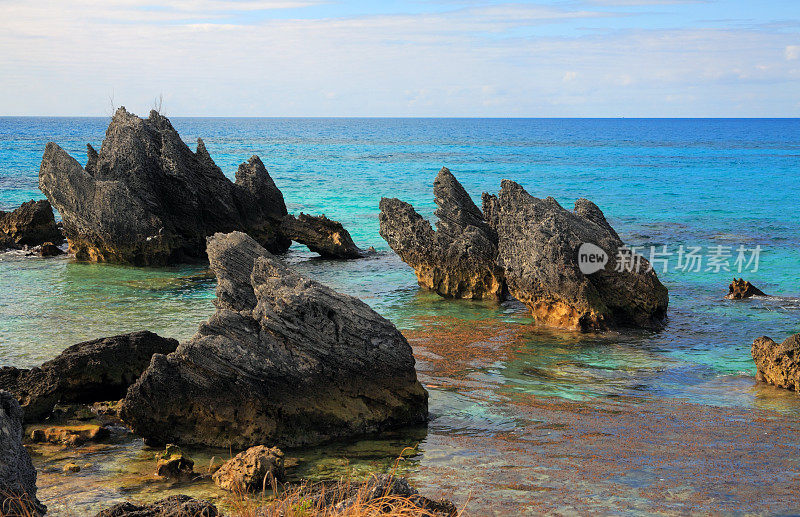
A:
(172, 506)
(459, 259)
(778, 364)
(284, 360)
(321, 235)
(147, 199)
(740, 289)
(539, 244)
(174, 464)
(17, 475)
(70, 435)
(97, 370)
(32, 224)
(252, 470)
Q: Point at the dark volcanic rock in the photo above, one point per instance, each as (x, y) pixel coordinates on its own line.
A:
(538, 249)
(172, 506)
(92, 371)
(48, 249)
(147, 199)
(741, 288)
(459, 259)
(17, 475)
(321, 235)
(778, 364)
(29, 225)
(284, 360)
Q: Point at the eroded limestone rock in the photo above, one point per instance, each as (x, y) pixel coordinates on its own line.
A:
(321, 235)
(17, 475)
(252, 470)
(172, 506)
(284, 360)
(778, 364)
(740, 289)
(147, 199)
(32, 224)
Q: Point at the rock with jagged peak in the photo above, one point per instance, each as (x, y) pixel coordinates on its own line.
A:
(284, 360)
(741, 289)
(539, 243)
(145, 198)
(459, 259)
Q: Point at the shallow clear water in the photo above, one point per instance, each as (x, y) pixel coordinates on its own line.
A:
(660, 182)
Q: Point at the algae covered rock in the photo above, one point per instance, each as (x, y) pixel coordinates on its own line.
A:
(778, 364)
(32, 224)
(252, 470)
(174, 464)
(459, 259)
(70, 435)
(97, 370)
(147, 199)
(17, 475)
(539, 245)
(284, 360)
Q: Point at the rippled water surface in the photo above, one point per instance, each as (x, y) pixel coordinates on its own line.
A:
(517, 412)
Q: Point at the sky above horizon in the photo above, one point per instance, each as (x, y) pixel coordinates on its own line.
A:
(565, 58)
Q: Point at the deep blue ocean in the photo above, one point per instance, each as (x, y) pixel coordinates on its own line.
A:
(711, 185)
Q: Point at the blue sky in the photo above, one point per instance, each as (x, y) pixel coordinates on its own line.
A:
(584, 58)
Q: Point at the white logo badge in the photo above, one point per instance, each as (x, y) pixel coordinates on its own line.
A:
(591, 258)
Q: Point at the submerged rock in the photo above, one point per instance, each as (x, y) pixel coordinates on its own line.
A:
(283, 360)
(48, 249)
(97, 370)
(321, 235)
(459, 259)
(17, 475)
(252, 470)
(147, 199)
(172, 506)
(539, 242)
(32, 224)
(778, 364)
(740, 289)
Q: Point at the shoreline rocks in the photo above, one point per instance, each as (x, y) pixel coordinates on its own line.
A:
(459, 259)
(174, 464)
(539, 244)
(17, 475)
(778, 364)
(741, 289)
(146, 199)
(92, 371)
(31, 224)
(284, 360)
(70, 435)
(322, 235)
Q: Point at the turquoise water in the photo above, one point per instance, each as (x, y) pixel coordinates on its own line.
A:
(660, 182)
(632, 422)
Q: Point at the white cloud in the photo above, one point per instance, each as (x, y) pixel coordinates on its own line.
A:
(792, 52)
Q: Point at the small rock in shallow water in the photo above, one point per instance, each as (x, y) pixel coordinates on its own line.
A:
(172, 506)
(48, 249)
(172, 464)
(741, 288)
(251, 470)
(778, 364)
(321, 235)
(29, 225)
(71, 467)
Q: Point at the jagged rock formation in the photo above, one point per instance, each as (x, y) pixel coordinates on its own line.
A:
(322, 235)
(778, 364)
(17, 475)
(172, 506)
(538, 250)
(32, 224)
(251, 470)
(284, 360)
(459, 259)
(741, 288)
(147, 199)
(97, 370)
